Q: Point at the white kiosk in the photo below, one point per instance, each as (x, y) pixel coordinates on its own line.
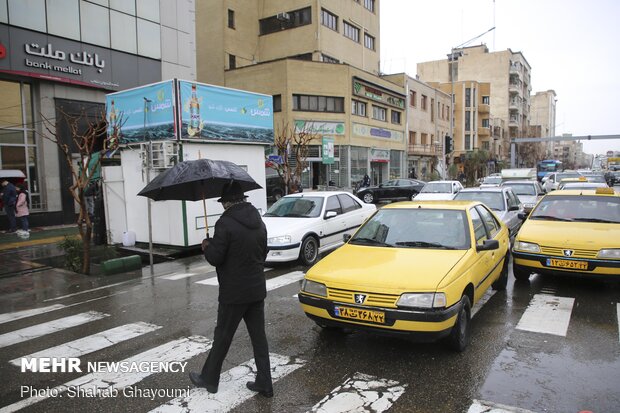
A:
(171, 121)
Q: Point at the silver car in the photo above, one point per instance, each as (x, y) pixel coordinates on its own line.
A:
(529, 192)
(501, 200)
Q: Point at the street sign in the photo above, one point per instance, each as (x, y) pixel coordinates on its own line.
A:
(275, 158)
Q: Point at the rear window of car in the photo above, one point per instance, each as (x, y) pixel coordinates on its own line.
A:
(523, 189)
(494, 200)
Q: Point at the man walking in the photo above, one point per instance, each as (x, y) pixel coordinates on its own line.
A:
(238, 251)
(9, 198)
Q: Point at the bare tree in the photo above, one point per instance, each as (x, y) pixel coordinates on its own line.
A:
(292, 146)
(86, 132)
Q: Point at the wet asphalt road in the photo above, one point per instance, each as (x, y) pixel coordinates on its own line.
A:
(524, 369)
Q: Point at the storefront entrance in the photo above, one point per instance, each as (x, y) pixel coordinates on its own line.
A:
(377, 172)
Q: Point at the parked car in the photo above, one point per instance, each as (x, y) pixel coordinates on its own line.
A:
(301, 226)
(275, 187)
(501, 200)
(392, 190)
(413, 269)
(571, 232)
(439, 191)
(528, 191)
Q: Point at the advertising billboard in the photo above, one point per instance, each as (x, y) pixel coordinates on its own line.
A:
(143, 113)
(221, 114)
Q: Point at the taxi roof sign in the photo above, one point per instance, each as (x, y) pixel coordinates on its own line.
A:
(605, 191)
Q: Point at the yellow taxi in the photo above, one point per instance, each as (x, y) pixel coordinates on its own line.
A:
(412, 269)
(570, 232)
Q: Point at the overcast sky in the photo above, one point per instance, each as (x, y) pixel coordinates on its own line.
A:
(572, 46)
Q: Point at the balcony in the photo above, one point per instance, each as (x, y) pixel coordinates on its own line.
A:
(514, 121)
(420, 149)
(515, 87)
(515, 104)
(484, 108)
(484, 132)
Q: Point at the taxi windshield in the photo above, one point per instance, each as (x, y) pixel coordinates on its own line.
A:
(415, 228)
(585, 208)
(296, 207)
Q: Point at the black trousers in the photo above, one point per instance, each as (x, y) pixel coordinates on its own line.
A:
(228, 318)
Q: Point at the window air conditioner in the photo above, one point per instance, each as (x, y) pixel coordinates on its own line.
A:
(283, 17)
(163, 155)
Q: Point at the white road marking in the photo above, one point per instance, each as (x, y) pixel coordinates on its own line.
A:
(272, 283)
(483, 300)
(618, 311)
(7, 317)
(88, 291)
(232, 391)
(547, 314)
(49, 327)
(92, 343)
(361, 393)
(91, 383)
(174, 277)
(483, 406)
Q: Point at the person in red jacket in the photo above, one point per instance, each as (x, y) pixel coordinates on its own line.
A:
(238, 250)
(21, 210)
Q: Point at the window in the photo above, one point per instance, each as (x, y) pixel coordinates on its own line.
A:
(485, 123)
(285, 21)
(413, 96)
(333, 205)
(370, 5)
(486, 145)
(277, 103)
(329, 59)
(423, 103)
(485, 100)
(358, 108)
(312, 103)
(432, 110)
(351, 32)
(379, 113)
(467, 120)
(232, 61)
(348, 203)
(480, 231)
(467, 97)
(467, 142)
(489, 220)
(329, 20)
(412, 137)
(396, 115)
(369, 41)
(231, 19)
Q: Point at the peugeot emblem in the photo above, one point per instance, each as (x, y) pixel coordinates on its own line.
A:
(360, 298)
(568, 253)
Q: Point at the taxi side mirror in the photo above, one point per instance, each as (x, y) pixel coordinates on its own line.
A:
(346, 237)
(330, 214)
(488, 245)
(513, 208)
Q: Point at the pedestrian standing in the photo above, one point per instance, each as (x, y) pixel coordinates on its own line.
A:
(9, 198)
(22, 211)
(238, 250)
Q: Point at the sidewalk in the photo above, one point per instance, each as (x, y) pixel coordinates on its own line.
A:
(38, 236)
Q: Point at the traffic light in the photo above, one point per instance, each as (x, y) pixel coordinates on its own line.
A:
(448, 146)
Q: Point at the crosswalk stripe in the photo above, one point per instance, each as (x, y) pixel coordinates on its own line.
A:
(173, 351)
(92, 343)
(547, 314)
(174, 277)
(232, 391)
(272, 283)
(49, 327)
(17, 315)
(91, 290)
(361, 393)
(483, 406)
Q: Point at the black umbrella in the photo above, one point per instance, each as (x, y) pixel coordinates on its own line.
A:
(197, 180)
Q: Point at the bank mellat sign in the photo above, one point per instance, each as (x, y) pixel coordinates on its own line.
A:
(43, 56)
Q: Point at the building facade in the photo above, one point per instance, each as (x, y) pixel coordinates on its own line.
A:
(508, 74)
(543, 117)
(64, 56)
(320, 62)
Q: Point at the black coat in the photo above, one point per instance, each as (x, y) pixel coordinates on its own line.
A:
(238, 251)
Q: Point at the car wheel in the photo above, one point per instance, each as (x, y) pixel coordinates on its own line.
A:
(521, 273)
(368, 198)
(309, 251)
(460, 334)
(277, 194)
(502, 281)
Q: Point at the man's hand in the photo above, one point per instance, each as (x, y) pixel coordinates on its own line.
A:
(205, 244)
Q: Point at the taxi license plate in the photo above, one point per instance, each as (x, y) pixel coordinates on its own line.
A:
(572, 265)
(360, 314)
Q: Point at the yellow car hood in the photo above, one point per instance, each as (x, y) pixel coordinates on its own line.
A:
(389, 270)
(577, 235)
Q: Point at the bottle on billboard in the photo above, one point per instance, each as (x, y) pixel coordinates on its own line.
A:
(112, 142)
(194, 126)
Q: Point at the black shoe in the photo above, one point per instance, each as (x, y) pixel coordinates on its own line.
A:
(198, 381)
(252, 386)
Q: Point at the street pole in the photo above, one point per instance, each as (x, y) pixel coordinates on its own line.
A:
(452, 102)
(149, 154)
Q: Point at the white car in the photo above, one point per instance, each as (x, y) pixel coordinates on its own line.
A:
(439, 191)
(301, 226)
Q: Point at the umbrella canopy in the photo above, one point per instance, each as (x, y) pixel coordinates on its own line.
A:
(197, 180)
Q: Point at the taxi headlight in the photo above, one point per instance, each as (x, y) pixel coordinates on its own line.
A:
(422, 300)
(313, 287)
(526, 246)
(614, 254)
(281, 240)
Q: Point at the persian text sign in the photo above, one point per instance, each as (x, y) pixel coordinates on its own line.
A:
(319, 128)
(366, 131)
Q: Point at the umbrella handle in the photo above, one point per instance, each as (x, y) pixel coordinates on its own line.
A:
(204, 207)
